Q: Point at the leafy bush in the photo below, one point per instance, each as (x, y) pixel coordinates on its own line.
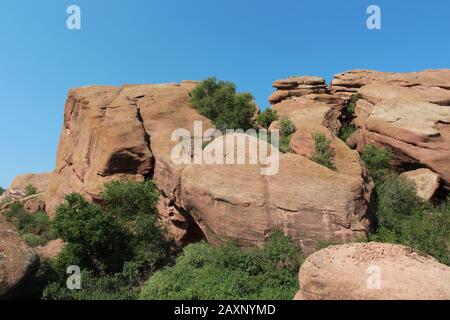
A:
(30, 190)
(403, 218)
(34, 228)
(287, 127)
(377, 161)
(227, 272)
(266, 117)
(323, 151)
(2, 191)
(351, 107)
(94, 287)
(124, 229)
(219, 101)
(6, 200)
(346, 131)
(285, 144)
(117, 244)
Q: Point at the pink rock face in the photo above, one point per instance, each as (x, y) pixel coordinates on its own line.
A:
(17, 188)
(410, 114)
(17, 260)
(425, 181)
(235, 202)
(372, 271)
(113, 133)
(297, 87)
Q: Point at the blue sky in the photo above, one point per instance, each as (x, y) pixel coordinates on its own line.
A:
(250, 42)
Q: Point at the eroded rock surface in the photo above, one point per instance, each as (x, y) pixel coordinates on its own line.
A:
(17, 260)
(425, 181)
(372, 271)
(410, 114)
(17, 188)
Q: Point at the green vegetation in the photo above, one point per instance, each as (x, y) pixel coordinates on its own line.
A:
(351, 106)
(34, 228)
(30, 190)
(5, 201)
(120, 247)
(285, 144)
(348, 114)
(324, 153)
(117, 245)
(219, 102)
(401, 216)
(2, 191)
(346, 131)
(266, 117)
(377, 161)
(287, 127)
(227, 272)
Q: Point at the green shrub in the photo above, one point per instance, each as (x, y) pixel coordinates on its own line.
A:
(287, 127)
(266, 117)
(377, 161)
(6, 200)
(285, 144)
(2, 191)
(397, 200)
(323, 152)
(124, 229)
(34, 228)
(346, 131)
(93, 287)
(30, 190)
(32, 240)
(117, 244)
(404, 219)
(219, 101)
(351, 107)
(227, 272)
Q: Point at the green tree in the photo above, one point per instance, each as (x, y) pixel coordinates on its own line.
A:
(323, 151)
(377, 161)
(403, 218)
(204, 271)
(219, 101)
(287, 127)
(117, 244)
(125, 228)
(266, 117)
(30, 190)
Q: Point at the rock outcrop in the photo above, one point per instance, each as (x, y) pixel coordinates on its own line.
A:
(17, 188)
(31, 204)
(372, 271)
(17, 260)
(113, 133)
(297, 87)
(307, 201)
(406, 112)
(425, 181)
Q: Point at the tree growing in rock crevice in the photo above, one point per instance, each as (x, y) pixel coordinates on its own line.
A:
(218, 101)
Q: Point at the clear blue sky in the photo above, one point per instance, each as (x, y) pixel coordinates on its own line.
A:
(251, 42)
